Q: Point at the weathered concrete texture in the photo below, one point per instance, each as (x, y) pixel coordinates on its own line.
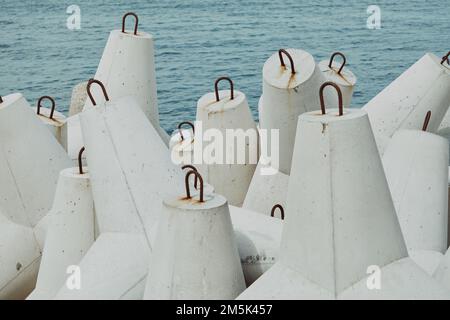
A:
(340, 221)
(129, 165)
(30, 161)
(285, 96)
(195, 254)
(110, 270)
(258, 240)
(404, 103)
(267, 188)
(79, 96)
(127, 68)
(230, 180)
(416, 166)
(56, 125)
(70, 233)
(19, 260)
(346, 81)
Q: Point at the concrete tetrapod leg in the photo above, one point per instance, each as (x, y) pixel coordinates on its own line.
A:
(127, 68)
(258, 240)
(70, 233)
(114, 268)
(30, 162)
(78, 99)
(229, 166)
(416, 166)
(195, 254)
(341, 75)
(19, 260)
(55, 121)
(401, 105)
(268, 186)
(291, 80)
(129, 166)
(340, 220)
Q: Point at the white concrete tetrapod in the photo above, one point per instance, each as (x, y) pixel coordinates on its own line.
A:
(30, 161)
(70, 233)
(289, 89)
(340, 220)
(341, 75)
(127, 68)
(114, 268)
(19, 260)
(129, 165)
(258, 239)
(195, 254)
(55, 121)
(268, 186)
(402, 104)
(229, 159)
(78, 99)
(416, 167)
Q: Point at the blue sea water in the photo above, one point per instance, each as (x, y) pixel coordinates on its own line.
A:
(197, 41)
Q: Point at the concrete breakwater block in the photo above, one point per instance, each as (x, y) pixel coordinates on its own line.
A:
(30, 161)
(403, 103)
(19, 259)
(291, 80)
(70, 233)
(127, 68)
(341, 75)
(258, 240)
(340, 220)
(55, 121)
(416, 167)
(195, 255)
(222, 111)
(129, 166)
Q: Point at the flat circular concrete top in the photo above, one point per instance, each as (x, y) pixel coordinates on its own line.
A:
(332, 115)
(183, 145)
(277, 76)
(346, 78)
(10, 99)
(129, 34)
(211, 201)
(209, 103)
(75, 173)
(58, 118)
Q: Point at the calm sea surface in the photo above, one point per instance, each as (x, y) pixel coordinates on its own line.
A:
(198, 41)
